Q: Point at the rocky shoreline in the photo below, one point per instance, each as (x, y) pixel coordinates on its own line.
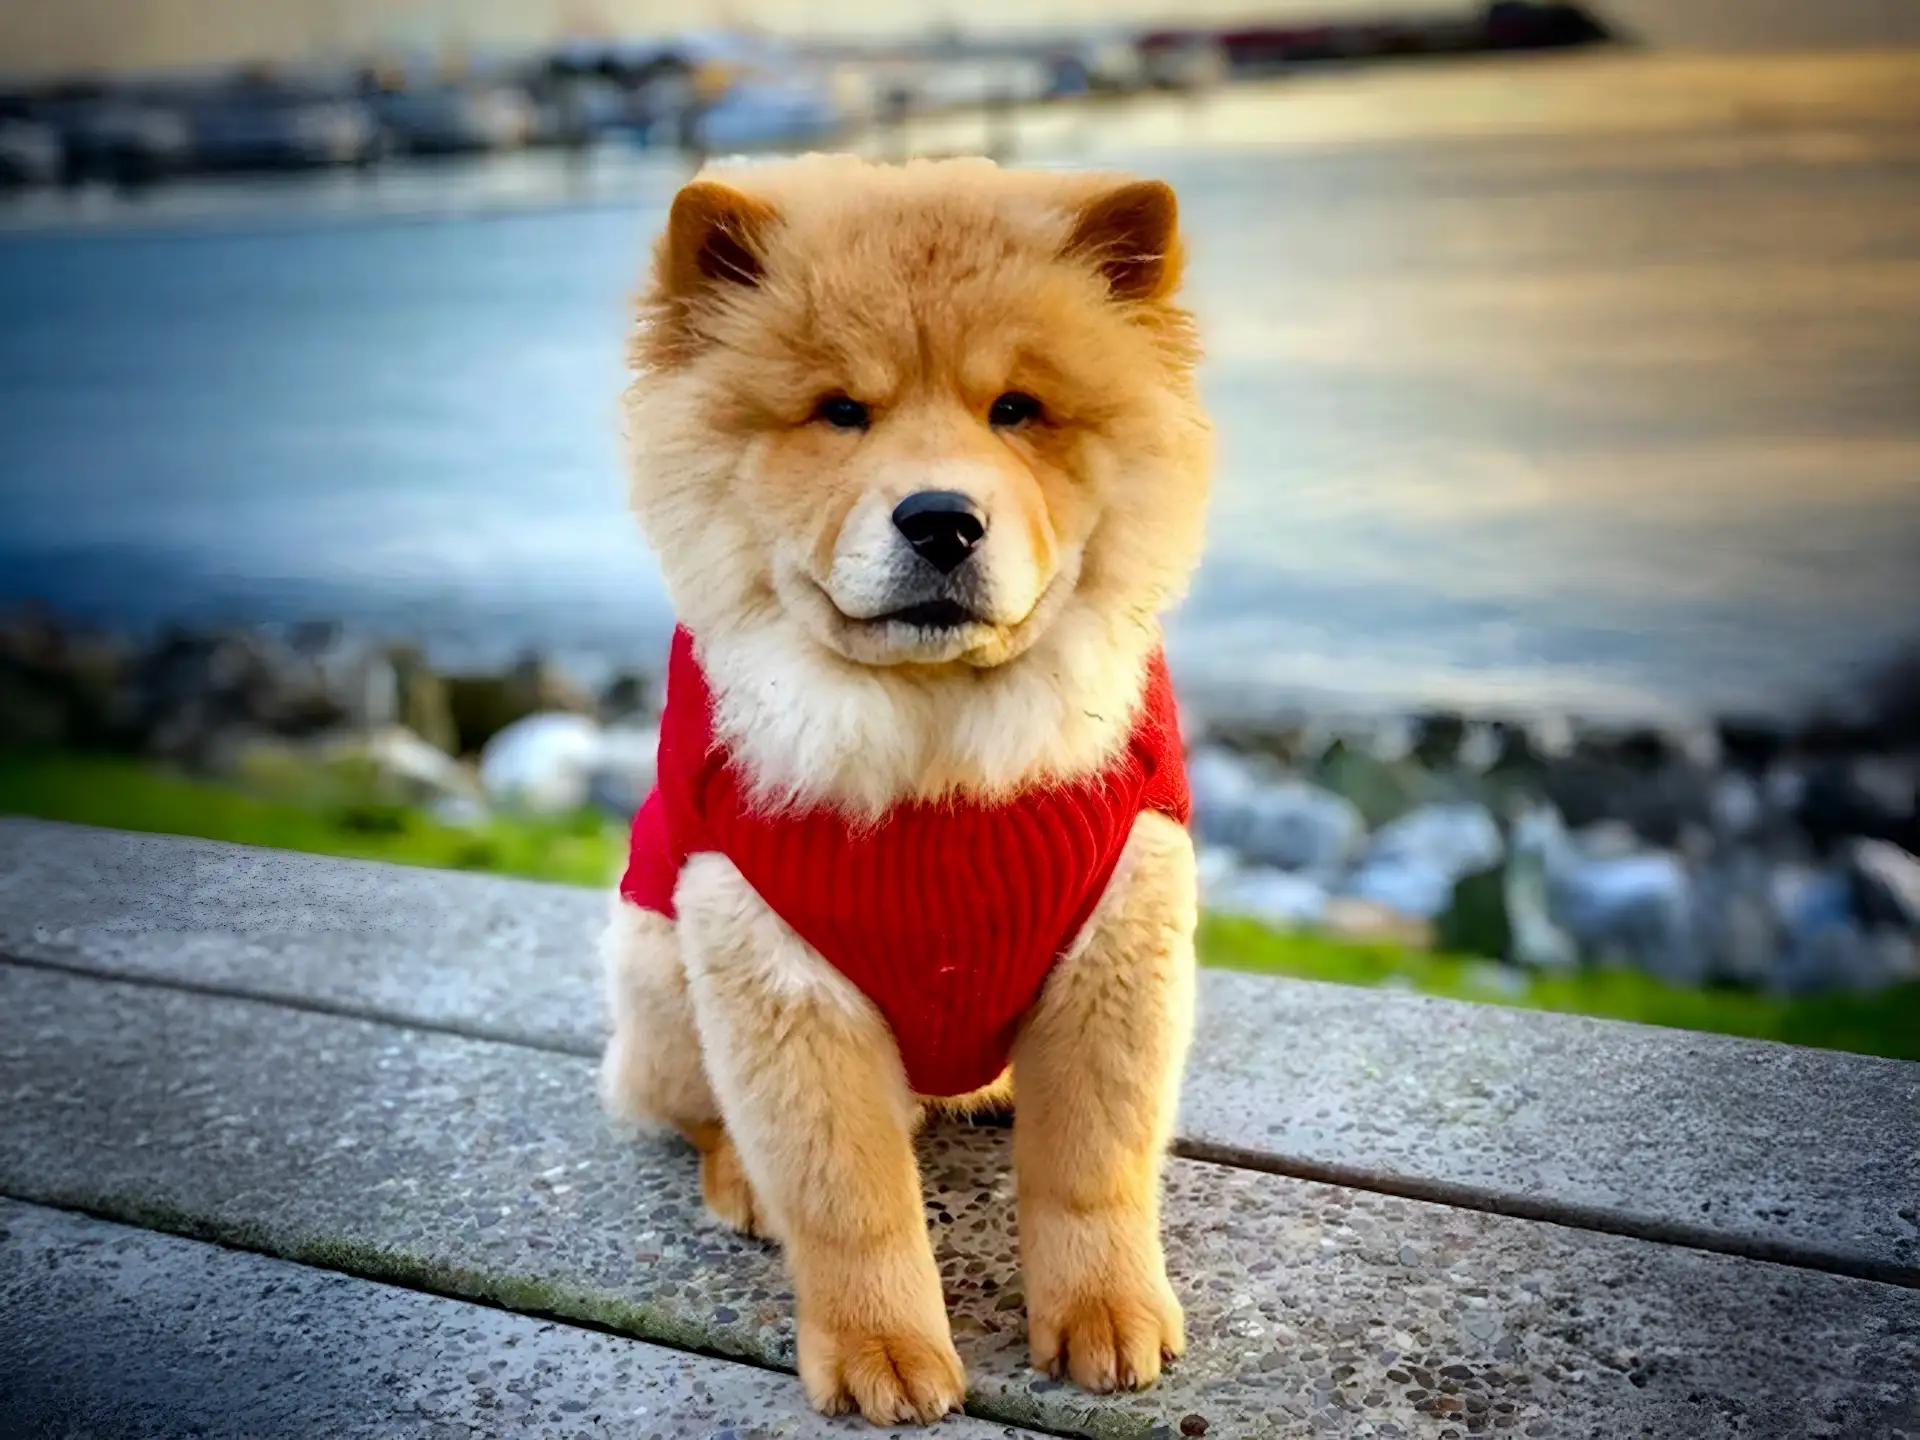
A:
(1774, 855)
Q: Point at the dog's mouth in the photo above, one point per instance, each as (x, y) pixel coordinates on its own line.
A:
(930, 615)
(936, 630)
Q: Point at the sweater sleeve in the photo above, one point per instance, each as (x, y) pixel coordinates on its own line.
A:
(1158, 740)
(668, 826)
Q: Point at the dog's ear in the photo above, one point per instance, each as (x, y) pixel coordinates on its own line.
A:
(714, 237)
(1131, 234)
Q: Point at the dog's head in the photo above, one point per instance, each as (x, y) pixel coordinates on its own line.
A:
(917, 415)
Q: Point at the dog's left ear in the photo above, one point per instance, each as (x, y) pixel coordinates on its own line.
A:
(714, 236)
(1132, 235)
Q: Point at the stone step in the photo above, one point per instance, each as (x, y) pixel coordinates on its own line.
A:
(112, 1331)
(484, 1170)
(1773, 1151)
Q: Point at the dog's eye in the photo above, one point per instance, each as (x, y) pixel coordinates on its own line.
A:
(842, 413)
(1016, 407)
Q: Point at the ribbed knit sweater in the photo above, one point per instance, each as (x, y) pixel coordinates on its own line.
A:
(947, 916)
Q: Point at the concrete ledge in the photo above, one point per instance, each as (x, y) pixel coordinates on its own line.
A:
(483, 1169)
(1765, 1150)
(109, 1331)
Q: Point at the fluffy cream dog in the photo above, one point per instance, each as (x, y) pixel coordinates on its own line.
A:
(920, 452)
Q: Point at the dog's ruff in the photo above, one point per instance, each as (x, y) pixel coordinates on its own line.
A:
(947, 915)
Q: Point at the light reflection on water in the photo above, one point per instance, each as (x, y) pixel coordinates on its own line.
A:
(1553, 423)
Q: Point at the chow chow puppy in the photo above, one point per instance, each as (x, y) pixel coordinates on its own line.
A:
(920, 452)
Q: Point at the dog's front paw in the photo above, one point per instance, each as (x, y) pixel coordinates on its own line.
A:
(1111, 1337)
(891, 1378)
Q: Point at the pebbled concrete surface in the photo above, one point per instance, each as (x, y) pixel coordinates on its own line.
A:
(1776, 1151)
(508, 958)
(484, 1170)
(110, 1333)
(1772, 1150)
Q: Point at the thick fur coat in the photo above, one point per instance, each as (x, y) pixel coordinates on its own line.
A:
(820, 340)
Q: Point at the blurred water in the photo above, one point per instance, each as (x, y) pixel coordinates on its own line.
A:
(1605, 424)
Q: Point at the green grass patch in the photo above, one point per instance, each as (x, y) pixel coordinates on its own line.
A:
(1884, 1023)
(588, 849)
(585, 849)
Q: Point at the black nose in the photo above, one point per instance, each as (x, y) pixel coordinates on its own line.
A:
(942, 526)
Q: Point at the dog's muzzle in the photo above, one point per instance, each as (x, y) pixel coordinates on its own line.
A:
(936, 588)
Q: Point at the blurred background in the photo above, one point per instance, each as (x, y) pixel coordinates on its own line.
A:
(1556, 640)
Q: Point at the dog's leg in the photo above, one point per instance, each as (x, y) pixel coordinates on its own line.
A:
(652, 1071)
(811, 1086)
(1098, 1067)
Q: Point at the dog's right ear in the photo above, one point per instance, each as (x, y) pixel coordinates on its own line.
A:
(714, 238)
(1132, 235)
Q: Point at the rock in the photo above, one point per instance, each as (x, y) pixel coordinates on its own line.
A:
(484, 705)
(1538, 943)
(375, 686)
(1751, 745)
(1474, 921)
(623, 771)
(191, 694)
(1793, 887)
(1455, 838)
(33, 712)
(1507, 913)
(1607, 840)
(1297, 826)
(1388, 738)
(1291, 742)
(1782, 789)
(1482, 749)
(1415, 891)
(543, 764)
(421, 700)
(1736, 922)
(1828, 948)
(1893, 700)
(1282, 899)
(554, 763)
(626, 699)
(347, 770)
(1550, 738)
(1437, 738)
(1886, 885)
(1868, 797)
(1213, 866)
(1636, 908)
(1412, 864)
(59, 687)
(1378, 789)
(189, 690)
(1539, 850)
(1657, 803)
(1271, 818)
(403, 762)
(1513, 756)
(1737, 807)
(1639, 748)
(1897, 956)
(1222, 785)
(354, 674)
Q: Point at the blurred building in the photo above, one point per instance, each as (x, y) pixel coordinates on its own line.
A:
(47, 37)
(82, 35)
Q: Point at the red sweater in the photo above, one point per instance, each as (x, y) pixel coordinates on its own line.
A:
(947, 916)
